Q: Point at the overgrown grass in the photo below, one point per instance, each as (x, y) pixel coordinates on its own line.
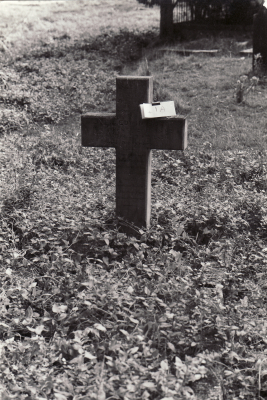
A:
(86, 312)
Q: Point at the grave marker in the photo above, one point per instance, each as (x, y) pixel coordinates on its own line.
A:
(133, 139)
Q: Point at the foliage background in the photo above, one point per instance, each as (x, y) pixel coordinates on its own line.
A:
(177, 312)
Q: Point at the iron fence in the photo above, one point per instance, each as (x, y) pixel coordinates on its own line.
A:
(215, 11)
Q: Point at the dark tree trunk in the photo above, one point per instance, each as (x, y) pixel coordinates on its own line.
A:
(260, 38)
(166, 18)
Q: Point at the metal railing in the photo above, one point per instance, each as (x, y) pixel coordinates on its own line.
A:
(214, 11)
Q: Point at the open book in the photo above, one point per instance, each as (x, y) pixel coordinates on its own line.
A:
(159, 109)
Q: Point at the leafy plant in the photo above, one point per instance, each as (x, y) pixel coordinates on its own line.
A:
(87, 312)
(243, 87)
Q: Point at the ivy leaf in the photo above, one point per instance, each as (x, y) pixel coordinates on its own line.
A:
(171, 346)
(100, 327)
(59, 308)
(39, 329)
(29, 315)
(89, 355)
(147, 291)
(130, 289)
(148, 385)
(167, 398)
(164, 365)
(131, 387)
(134, 350)
(9, 271)
(106, 260)
(135, 321)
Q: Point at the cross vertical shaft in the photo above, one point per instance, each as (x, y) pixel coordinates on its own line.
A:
(133, 160)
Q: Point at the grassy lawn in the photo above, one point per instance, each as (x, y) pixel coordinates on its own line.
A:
(85, 311)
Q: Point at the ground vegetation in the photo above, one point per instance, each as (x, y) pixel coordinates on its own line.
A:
(86, 312)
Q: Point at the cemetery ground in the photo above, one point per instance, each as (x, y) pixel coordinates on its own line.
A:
(178, 312)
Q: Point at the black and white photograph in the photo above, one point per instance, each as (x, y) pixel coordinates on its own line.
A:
(133, 199)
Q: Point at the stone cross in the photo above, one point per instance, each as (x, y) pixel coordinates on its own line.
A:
(133, 139)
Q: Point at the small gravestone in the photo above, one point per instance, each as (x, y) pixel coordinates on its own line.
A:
(260, 38)
(133, 139)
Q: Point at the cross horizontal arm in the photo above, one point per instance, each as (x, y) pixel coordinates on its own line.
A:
(99, 130)
(167, 133)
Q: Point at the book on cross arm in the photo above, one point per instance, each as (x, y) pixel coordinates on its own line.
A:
(158, 109)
